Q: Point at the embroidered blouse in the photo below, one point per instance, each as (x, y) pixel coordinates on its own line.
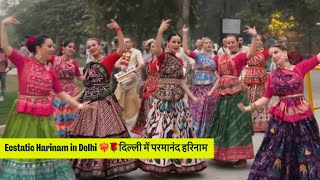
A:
(289, 86)
(229, 69)
(204, 70)
(35, 83)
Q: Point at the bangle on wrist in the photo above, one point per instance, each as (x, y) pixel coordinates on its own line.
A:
(254, 35)
(118, 29)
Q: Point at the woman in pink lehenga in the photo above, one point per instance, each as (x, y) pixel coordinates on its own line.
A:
(67, 70)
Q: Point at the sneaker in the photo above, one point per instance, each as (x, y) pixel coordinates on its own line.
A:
(1, 98)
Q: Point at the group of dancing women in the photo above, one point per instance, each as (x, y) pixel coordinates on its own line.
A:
(217, 105)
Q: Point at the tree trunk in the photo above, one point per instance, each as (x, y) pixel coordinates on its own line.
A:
(184, 20)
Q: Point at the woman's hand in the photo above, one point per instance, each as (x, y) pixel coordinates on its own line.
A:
(164, 25)
(185, 29)
(251, 31)
(198, 100)
(244, 108)
(113, 25)
(84, 105)
(209, 93)
(10, 20)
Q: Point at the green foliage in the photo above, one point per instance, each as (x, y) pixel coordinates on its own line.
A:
(80, 19)
(259, 12)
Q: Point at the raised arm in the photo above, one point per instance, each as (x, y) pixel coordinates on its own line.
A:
(185, 40)
(4, 34)
(115, 25)
(163, 27)
(253, 46)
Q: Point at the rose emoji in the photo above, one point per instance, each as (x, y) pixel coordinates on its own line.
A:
(114, 146)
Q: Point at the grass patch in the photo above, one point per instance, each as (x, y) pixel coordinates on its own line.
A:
(11, 96)
(81, 61)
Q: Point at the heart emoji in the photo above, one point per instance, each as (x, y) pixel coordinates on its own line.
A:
(104, 147)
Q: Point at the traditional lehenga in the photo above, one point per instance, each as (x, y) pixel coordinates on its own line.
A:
(291, 146)
(65, 114)
(103, 120)
(254, 84)
(231, 128)
(149, 86)
(31, 117)
(202, 82)
(169, 117)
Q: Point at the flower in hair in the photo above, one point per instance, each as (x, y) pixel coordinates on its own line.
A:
(30, 40)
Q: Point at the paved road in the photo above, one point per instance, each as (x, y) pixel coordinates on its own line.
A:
(216, 171)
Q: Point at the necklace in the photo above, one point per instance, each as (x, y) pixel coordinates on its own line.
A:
(233, 52)
(39, 62)
(98, 59)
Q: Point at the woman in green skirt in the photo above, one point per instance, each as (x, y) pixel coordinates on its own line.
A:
(31, 115)
(231, 128)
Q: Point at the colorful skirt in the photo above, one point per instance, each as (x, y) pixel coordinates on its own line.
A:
(139, 127)
(288, 151)
(22, 125)
(102, 121)
(202, 114)
(64, 116)
(260, 116)
(231, 129)
(170, 119)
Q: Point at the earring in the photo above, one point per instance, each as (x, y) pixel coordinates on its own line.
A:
(287, 59)
(38, 57)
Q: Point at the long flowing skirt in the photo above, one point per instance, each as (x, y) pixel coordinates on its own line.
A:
(260, 116)
(202, 114)
(231, 129)
(22, 125)
(129, 101)
(64, 116)
(170, 119)
(288, 151)
(139, 126)
(102, 121)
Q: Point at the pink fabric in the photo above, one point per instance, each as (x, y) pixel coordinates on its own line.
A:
(109, 61)
(307, 65)
(240, 60)
(65, 69)
(227, 67)
(193, 54)
(265, 53)
(283, 82)
(34, 80)
(152, 82)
